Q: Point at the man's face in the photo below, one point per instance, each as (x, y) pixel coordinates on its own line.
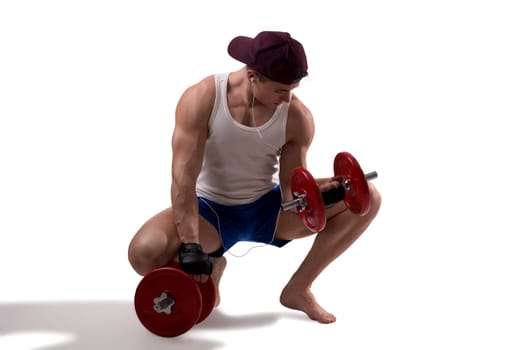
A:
(272, 93)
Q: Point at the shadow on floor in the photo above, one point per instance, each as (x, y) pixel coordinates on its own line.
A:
(104, 325)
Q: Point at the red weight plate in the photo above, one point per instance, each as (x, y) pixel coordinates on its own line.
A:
(314, 214)
(208, 294)
(357, 197)
(157, 290)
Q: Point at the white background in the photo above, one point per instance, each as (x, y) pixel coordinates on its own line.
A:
(428, 93)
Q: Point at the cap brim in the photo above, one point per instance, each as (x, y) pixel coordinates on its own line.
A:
(240, 49)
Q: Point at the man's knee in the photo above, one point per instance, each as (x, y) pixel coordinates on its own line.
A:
(146, 252)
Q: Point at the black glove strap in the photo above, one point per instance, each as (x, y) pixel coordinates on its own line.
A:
(333, 196)
(193, 260)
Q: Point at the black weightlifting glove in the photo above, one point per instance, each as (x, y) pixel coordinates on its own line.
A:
(193, 260)
(333, 196)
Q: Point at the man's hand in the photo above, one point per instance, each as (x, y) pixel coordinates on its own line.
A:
(332, 191)
(329, 183)
(194, 261)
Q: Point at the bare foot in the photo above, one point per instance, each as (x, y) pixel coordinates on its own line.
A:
(219, 264)
(303, 300)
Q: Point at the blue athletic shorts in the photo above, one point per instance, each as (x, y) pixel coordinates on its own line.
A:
(253, 222)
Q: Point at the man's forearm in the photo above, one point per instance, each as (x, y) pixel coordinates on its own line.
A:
(185, 213)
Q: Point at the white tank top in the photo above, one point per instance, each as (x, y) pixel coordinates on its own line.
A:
(240, 162)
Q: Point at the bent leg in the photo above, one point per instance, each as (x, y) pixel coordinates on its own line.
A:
(157, 243)
(342, 230)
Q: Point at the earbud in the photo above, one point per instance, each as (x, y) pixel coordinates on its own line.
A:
(252, 79)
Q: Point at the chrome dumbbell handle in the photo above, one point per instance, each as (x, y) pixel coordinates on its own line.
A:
(298, 201)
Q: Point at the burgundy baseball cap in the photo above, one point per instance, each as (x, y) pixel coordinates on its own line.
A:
(276, 55)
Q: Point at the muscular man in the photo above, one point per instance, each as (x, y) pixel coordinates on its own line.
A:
(233, 133)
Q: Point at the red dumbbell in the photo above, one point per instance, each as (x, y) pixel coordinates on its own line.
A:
(308, 200)
(168, 301)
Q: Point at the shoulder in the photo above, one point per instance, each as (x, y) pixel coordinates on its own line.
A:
(202, 92)
(300, 126)
(196, 102)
